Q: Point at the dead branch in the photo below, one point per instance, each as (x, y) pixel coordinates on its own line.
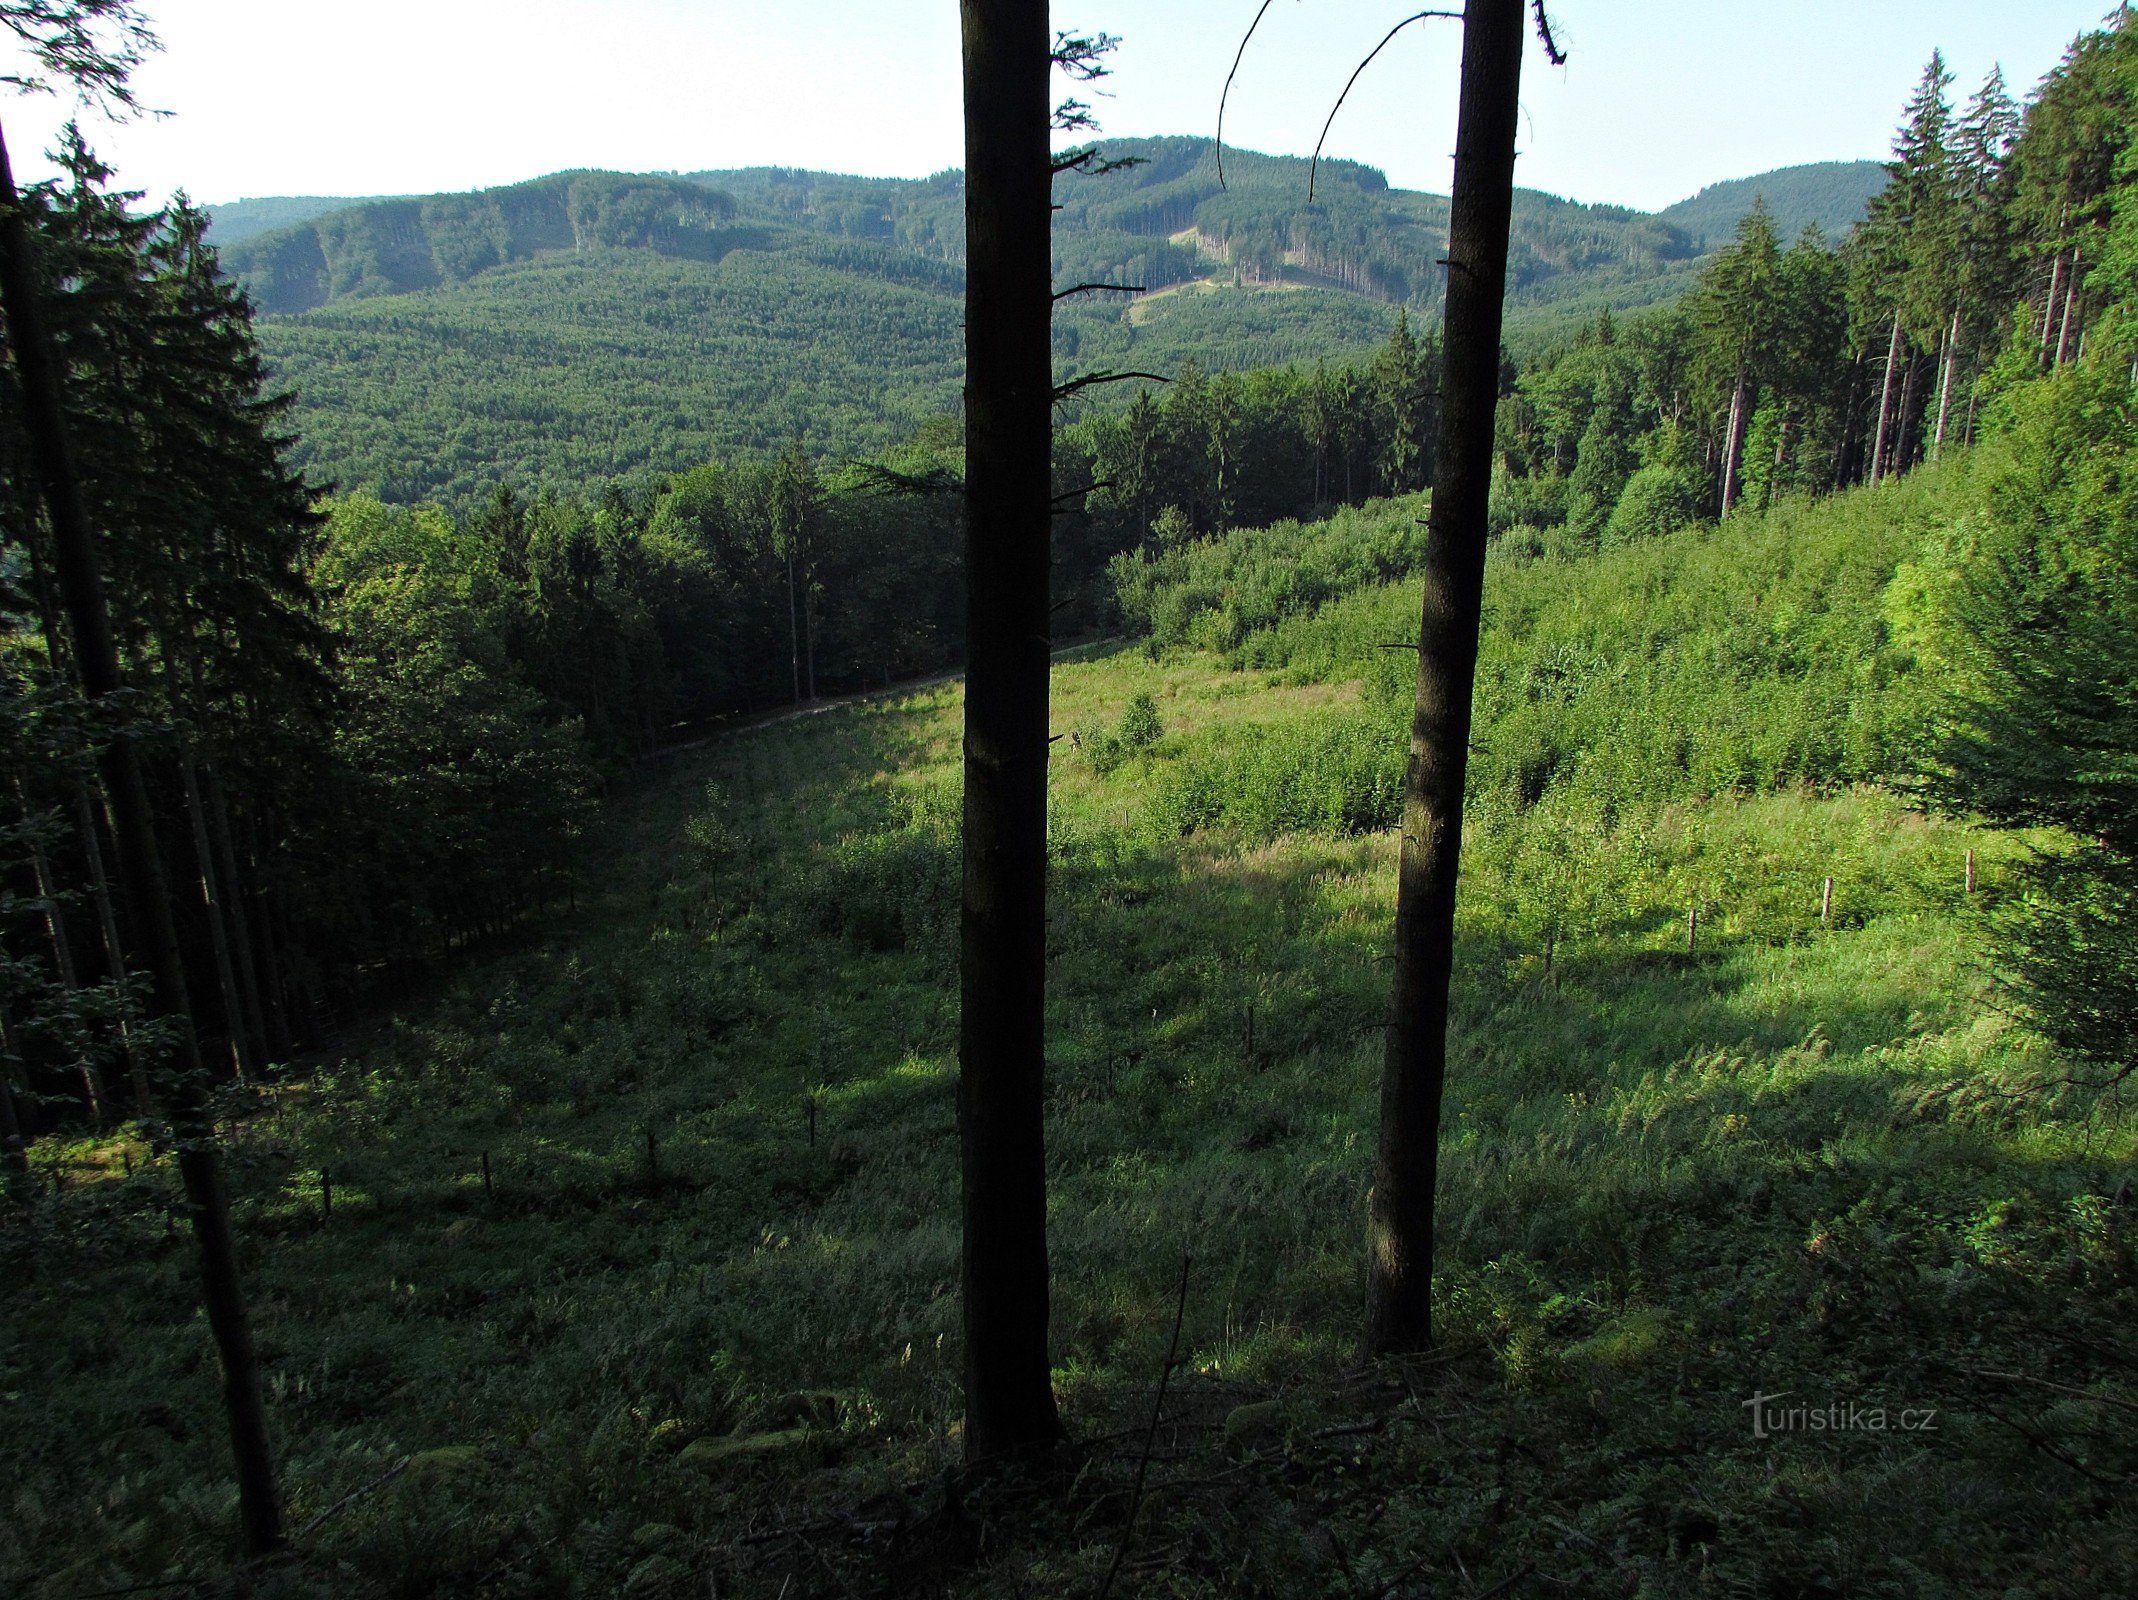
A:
(1100, 288)
(1063, 391)
(1314, 166)
(1143, 1466)
(1238, 56)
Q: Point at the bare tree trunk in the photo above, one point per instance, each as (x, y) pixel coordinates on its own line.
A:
(1009, 1398)
(2048, 305)
(274, 936)
(2071, 292)
(141, 871)
(242, 1058)
(85, 822)
(1399, 1315)
(794, 623)
(1946, 381)
(63, 964)
(1904, 420)
(1734, 447)
(14, 1145)
(1885, 406)
(234, 897)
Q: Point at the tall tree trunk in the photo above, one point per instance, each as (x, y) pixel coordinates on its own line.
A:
(1733, 450)
(212, 903)
(14, 1144)
(1885, 406)
(1399, 1314)
(1946, 380)
(234, 897)
(85, 822)
(141, 871)
(1009, 1398)
(2049, 304)
(274, 934)
(2071, 294)
(1849, 440)
(69, 974)
(1904, 419)
(794, 624)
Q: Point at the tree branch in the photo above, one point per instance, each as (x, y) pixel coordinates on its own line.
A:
(1552, 52)
(1109, 288)
(1238, 56)
(1063, 391)
(1315, 166)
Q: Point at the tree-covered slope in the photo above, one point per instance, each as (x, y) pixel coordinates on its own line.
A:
(234, 221)
(593, 324)
(1831, 195)
(572, 370)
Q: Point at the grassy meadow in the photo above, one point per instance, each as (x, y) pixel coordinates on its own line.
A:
(640, 1273)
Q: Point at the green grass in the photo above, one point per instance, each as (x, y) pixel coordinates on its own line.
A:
(1803, 1158)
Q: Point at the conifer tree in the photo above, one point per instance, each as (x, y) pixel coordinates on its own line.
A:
(1399, 1315)
(1008, 62)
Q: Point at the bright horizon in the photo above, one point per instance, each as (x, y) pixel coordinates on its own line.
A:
(1655, 103)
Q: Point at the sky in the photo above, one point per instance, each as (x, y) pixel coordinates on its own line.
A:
(1657, 99)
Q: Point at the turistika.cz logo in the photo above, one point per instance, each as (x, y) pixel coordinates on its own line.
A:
(1770, 1417)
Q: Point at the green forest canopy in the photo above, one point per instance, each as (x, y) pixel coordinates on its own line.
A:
(594, 324)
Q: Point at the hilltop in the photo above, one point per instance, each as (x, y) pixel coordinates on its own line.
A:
(594, 323)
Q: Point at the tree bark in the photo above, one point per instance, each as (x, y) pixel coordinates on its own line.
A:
(63, 962)
(14, 1145)
(212, 904)
(1885, 406)
(85, 822)
(1733, 450)
(2071, 293)
(2048, 305)
(1009, 1397)
(141, 871)
(1945, 382)
(234, 897)
(1400, 1233)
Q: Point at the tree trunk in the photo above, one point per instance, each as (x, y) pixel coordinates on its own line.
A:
(1904, 419)
(2071, 293)
(1885, 406)
(2048, 305)
(1009, 1398)
(14, 1145)
(1400, 1239)
(794, 623)
(63, 964)
(1734, 448)
(1946, 381)
(242, 1057)
(234, 897)
(141, 872)
(85, 822)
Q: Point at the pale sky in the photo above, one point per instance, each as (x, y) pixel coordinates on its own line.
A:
(1660, 97)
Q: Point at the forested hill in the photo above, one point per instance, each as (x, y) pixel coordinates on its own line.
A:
(591, 324)
(1829, 195)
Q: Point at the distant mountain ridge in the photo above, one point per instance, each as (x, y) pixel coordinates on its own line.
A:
(593, 324)
(1828, 195)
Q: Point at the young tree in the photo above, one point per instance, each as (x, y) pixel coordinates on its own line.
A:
(1008, 61)
(1399, 1314)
